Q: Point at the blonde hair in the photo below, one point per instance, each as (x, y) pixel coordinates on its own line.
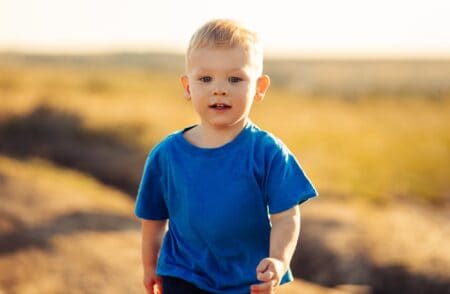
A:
(226, 33)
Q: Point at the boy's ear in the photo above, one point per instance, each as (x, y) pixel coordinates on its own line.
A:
(185, 83)
(262, 85)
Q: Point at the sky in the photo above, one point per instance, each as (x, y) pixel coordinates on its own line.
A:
(287, 28)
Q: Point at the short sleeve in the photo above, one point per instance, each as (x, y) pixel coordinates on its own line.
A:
(286, 183)
(150, 202)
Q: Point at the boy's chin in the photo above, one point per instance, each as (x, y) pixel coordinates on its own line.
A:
(226, 124)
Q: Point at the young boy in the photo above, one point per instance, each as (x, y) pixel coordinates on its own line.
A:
(229, 189)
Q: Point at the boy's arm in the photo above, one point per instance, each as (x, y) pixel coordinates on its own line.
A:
(284, 235)
(152, 234)
(283, 241)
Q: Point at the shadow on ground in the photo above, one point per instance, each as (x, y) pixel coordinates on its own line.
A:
(26, 237)
(315, 262)
(61, 138)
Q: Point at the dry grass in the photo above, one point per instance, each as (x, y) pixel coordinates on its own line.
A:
(68, 232)
(371, 148)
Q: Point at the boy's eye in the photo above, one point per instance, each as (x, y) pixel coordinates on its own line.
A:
(234, 79)
(206, 79)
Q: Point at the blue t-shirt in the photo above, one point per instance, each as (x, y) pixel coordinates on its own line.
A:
(218, 202)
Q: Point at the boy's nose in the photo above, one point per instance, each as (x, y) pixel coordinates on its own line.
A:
(220, 92)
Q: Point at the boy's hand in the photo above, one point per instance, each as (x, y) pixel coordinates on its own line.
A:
(269, 272)
(152, 282)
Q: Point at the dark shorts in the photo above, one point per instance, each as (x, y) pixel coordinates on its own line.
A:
(172, 285)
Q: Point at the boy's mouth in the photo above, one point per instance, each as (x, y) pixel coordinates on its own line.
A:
(219, 106)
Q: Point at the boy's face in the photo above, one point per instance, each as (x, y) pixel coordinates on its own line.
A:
(222, 84)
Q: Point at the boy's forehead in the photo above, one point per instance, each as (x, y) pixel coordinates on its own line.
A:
(230, 59)
(206, 55)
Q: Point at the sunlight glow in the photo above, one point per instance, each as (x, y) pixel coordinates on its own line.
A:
(346, 27)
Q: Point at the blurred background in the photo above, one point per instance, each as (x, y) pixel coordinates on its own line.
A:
(360, 93)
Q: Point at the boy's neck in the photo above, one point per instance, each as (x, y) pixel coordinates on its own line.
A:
(206, 136)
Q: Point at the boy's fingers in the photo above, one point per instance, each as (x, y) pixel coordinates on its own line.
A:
(265, 276)
(263, 265)
(157, 289)
(153, 286)
(263, 287)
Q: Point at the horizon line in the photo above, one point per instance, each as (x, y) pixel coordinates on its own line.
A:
(269, 54)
